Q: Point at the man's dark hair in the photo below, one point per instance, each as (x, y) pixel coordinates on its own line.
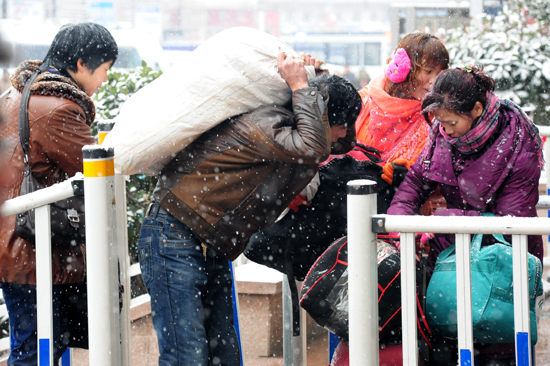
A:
(344, 102)
(91, 42)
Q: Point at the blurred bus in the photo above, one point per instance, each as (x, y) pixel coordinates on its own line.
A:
(31, 41)
(361, 51)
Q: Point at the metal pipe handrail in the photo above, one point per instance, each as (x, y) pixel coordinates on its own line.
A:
(59, 191)
(40, 201)
(362, 226)
(544, 202)
(108, 344)
(506, 225)
(544, 130)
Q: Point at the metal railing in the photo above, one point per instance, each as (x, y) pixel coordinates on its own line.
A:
(106, 251)
(299, 343)
(114, 251)
(108, 261)
(364, 223)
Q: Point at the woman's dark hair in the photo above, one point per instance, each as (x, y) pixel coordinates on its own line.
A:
(344, 102)
(458, 90)
(91, 42)
(424, 50)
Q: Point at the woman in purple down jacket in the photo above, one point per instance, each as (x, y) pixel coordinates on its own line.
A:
(486, 155)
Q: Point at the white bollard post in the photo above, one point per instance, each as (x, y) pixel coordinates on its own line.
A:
(408, 299)
(288, 350)
(464, 300)
(103, 128)
(101, 256)
(294, 347)
(522, 322)
(124, 264)
(303, 334)
(363, 274)
(44, 304)
(547, 170)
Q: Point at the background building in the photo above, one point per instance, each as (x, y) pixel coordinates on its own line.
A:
(180, 22)
(360, 33)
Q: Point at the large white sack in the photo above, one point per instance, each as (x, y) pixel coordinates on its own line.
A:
(233, 72)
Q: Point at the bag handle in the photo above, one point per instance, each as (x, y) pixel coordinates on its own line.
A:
(476, 241)
(475, 246)
(23, 119)
(370, 152)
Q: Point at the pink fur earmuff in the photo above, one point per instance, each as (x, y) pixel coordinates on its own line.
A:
(399, 66)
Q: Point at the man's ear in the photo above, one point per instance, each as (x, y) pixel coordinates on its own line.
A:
(477, 111)
(80, 65)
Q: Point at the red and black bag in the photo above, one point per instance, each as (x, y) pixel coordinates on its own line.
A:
(324, 293)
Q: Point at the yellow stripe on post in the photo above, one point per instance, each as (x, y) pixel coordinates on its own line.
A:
(99, 168)
(101, 137)
(99, 161)
(103, 128)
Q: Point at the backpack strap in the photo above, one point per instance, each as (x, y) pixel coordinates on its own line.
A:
(295, 305)
(370, 152)
(23, 119)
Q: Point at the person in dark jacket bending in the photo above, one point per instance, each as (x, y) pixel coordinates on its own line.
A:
(486, 156)
(231, 182)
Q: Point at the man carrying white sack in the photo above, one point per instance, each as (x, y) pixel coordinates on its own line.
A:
(231, 182)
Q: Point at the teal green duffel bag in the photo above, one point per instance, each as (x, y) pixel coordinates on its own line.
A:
(492, 292)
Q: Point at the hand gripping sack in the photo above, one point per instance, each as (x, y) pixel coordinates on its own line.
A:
(233, 72)
(492, 292)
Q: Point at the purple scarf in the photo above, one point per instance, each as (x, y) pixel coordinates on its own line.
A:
(474, 139)
(487, 124)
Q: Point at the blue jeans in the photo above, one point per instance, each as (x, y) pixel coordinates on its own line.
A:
(191, 297)
(21, 304)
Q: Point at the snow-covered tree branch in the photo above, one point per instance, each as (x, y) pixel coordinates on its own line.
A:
(514, 47)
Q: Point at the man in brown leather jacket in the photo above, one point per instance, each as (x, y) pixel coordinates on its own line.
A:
(60, 113)
(231, 182)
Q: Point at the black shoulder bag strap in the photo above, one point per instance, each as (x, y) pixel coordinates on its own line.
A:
(24, 120)
(293, 296)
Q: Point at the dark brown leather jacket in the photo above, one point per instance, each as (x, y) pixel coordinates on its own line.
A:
(238, 177)
(60, 115)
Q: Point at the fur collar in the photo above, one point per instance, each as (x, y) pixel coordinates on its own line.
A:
(53, 85)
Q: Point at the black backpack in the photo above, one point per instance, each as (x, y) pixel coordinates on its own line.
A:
(292, 244)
